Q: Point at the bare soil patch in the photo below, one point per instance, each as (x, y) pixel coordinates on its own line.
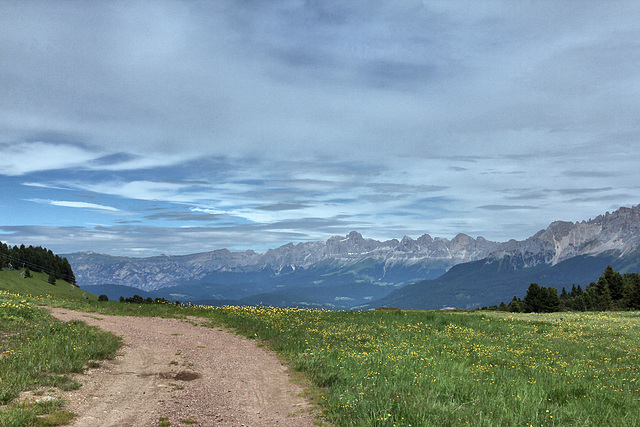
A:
(170, 370)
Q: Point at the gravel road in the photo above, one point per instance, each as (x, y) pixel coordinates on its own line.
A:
(170, 370)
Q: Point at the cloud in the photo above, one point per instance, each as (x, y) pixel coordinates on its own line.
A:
(397, 117)
(71, 204)
(83, 205)
(591, 173)
(192, 215)
(282, 207)
(27, 157)
(43, 185)
(143, 190)
(506, 207)
(576, 191)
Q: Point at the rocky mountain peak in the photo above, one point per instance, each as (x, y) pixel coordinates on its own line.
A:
(407, 244)
(618, 230)
(561, 240)
(425, 239)
(461, 240)
(355, 237)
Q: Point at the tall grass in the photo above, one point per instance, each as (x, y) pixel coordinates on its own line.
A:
(38, 286)
(36, 351)
(450, 369)
(412, 368)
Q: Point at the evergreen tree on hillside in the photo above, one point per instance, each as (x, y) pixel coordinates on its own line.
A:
(532, 302)
(632, 290)
(600, 298)
(541, 299)
(613, 280)
(4, 256)
(612, 291)
(37, 259)
(515, 306)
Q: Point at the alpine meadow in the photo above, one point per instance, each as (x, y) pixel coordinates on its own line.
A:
(379, 368)
(339, 213)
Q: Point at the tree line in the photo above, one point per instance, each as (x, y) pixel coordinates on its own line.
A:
(137, 299)
(612, 291)
(36, 259)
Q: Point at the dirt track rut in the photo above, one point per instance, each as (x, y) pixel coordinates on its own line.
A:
(170, 370)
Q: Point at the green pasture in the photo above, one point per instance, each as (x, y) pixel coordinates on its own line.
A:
(38, 285)
(398, 368)
(37, 354)
(379, 368)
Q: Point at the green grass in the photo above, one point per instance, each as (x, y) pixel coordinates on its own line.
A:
(37, 350)
(413, 368)
(450, 369)
(35, 414)
(38, 285)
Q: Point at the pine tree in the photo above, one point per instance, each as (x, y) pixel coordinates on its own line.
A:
(533, 300)
(564, 295)
(632, 290)
(613, 280)
(515, 306)
(540, 299)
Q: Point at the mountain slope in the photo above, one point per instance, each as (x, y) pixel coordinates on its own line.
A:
(619, 231)
(328, 270)
(38, 285)
(351, 271)
(564, 254)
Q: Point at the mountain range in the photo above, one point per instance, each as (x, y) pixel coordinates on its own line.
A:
(354, 272)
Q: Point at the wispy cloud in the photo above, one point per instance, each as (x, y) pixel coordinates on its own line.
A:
(281, 120)
(282, 207)
(26, 157)
(72, 204)
(506, 207)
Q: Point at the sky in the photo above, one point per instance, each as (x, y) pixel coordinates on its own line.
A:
(142, 128)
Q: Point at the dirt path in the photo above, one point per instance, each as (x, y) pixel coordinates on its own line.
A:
(170, 370)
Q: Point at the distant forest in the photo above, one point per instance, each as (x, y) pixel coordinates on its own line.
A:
(36, 259)
(612, 291)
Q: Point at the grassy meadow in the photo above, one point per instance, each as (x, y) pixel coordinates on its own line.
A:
(37, 353)
(385, 367)
(399, 368)
(38, 286)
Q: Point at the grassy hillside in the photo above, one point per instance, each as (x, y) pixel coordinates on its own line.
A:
(37, 285)
(430, 368)
(38, 353)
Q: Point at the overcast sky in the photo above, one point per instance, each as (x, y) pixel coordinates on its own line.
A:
(141, 128)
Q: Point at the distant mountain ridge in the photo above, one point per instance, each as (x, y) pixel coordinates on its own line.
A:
(338, 252)
(562, 240)
(563, 254)
(352, 271)
(337, 262)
